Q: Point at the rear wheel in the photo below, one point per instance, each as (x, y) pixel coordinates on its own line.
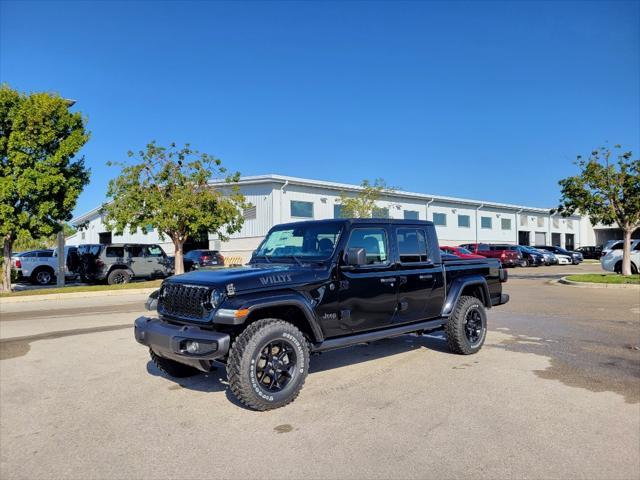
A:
(268, 364)
(118, 276)
(42, 276)
(466, 328)
(173, 368)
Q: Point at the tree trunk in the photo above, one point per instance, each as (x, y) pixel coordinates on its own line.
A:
(179, 259)
(626, 251)
(6, 264)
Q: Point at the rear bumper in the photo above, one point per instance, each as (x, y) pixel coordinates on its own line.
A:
(504, 298)
(169, 341)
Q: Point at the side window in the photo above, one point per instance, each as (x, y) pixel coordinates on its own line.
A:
(155, 251)
(114, 252)
(374, 241)
(412, 245)
(483, 247)
(135, 250)
(45, 254)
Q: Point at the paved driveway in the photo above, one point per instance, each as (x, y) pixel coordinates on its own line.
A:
(555, 393)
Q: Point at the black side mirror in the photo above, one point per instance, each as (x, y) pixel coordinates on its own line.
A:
(356, 257)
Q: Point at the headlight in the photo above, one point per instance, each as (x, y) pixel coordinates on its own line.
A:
(215, 298)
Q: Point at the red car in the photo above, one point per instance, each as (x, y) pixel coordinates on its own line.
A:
(460, 252)
(508, 258)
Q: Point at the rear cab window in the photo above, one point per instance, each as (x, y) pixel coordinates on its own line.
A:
(412, 245)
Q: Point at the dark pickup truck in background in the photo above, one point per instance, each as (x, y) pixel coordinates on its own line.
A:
(314, 286)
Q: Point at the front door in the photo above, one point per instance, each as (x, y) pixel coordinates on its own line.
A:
(420, 281)
(156, 260)
(368, 293)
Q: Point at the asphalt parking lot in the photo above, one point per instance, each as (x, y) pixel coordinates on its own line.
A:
(555, 393)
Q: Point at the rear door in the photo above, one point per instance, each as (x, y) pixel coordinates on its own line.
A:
(420, 280)
(368, 293)
(137, 260)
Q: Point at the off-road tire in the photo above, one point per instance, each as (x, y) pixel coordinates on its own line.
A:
(173, 368)
(112, 278)
(242, 363)
(42, 276)
(455, 326)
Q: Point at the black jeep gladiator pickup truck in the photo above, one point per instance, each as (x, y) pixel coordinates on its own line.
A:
(313, 286)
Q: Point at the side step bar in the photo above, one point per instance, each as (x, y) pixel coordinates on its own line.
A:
(349, 340)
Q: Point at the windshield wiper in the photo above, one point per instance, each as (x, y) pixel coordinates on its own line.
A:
(263, 256)
(298, 261)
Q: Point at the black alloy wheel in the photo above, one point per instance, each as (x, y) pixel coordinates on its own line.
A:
(473, 327)
(276, 365)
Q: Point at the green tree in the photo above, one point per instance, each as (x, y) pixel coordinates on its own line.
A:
(168, 189)
(40, 178)
(26, 242)
(608, 190)
(364, 203)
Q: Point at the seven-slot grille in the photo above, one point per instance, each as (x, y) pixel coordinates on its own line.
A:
(184, 301)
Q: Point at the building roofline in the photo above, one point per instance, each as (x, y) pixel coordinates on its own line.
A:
(347, 187)
(273, 178)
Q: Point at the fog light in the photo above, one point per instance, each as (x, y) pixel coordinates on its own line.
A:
(192, 346)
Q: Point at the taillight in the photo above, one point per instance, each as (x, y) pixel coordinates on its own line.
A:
(99, 263)
(18, 264)
(204, 258)
(220, 258)
(503, 255)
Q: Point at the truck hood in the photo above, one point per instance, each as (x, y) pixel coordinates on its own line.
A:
(254, 277)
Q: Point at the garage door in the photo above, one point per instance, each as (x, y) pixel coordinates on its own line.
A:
(541, 238)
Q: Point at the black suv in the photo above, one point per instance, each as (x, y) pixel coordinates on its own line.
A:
(120, 262)
(195, 259)
(314, 286)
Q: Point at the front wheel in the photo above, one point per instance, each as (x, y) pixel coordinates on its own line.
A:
(268, 364)
(42, 276)
(466, 328)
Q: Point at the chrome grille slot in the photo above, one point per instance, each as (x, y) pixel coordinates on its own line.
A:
(184, 301)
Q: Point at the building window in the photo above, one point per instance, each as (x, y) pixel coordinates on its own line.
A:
(337, 211)
(464, 221)
(411, 215)
(524, 221)
(379, 212)
(250, 213)
(540, 221)
(505, 223)
(440, 219)
(301, 209)
(485, 222)
(82, 235)
(148, 229)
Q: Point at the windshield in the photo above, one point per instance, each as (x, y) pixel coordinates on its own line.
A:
(315, 241)
(464, 251)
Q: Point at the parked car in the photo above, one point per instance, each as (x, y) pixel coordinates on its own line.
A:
(202, 258)
(530, 256)
(313, 286)
(574, 257)
(549, 257)
(590, 252)
(612, 261)
(40, 266)
(120, 262)
(460, 252)
(616, 245)
(507, 257)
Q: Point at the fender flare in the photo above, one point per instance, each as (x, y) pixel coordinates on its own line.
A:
(276, 300)
(456, 288)
(118, 266)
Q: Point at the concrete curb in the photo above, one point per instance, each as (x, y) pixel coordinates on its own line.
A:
(72, 295)
(571, 283)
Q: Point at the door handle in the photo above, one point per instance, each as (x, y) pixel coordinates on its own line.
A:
(426, 277)
(388, 280)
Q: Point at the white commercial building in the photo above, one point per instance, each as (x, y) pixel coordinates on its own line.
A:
(277, 199)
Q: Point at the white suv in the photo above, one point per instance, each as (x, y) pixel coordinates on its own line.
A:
(612, 261)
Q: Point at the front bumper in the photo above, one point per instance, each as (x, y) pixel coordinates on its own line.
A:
(169, 341)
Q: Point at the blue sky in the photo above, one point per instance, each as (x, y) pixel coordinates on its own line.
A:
(485, 100)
